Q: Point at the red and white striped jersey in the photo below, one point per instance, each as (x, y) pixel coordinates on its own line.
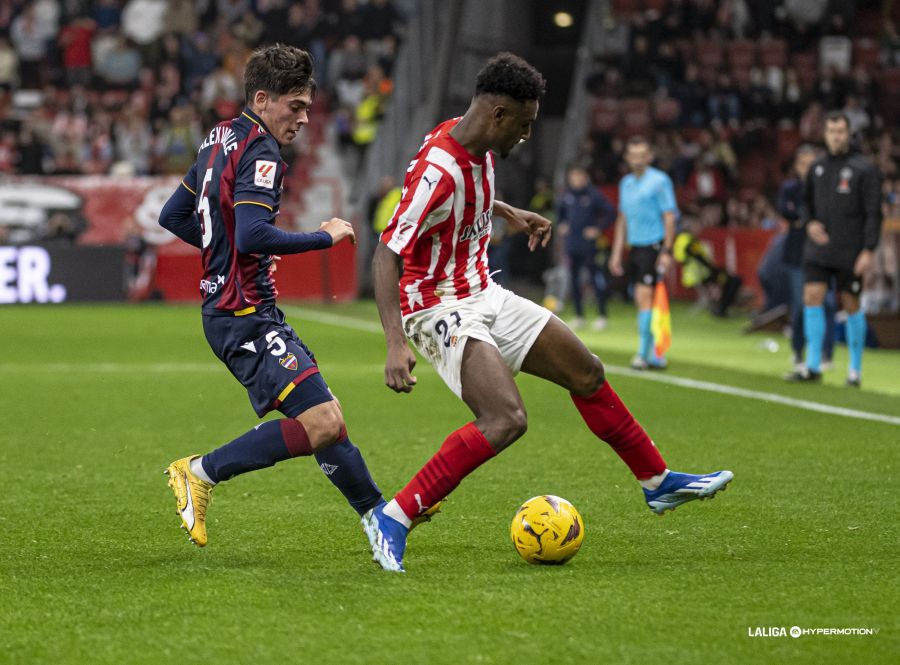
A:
(442, 225)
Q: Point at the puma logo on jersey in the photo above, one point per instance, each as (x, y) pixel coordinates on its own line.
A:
(264, 175)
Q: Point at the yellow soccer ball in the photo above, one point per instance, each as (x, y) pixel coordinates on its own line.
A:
(547, 530)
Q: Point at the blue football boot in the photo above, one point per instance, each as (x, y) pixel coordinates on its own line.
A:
(678, 488)
(387, 538)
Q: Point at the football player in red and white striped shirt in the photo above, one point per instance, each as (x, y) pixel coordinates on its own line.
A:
(477, 334)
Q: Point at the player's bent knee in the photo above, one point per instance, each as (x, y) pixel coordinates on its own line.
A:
(326, 436)
(514, 424)
(325, 429)
(589, 380)
(502, 429)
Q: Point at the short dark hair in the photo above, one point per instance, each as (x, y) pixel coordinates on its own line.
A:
(279, 70)
(509, 75)
(636, 140)
(805, 149)
(838, 116)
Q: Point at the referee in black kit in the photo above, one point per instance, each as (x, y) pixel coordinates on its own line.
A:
(843, 223)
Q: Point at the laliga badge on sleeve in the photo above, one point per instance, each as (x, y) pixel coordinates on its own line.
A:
(264, 175)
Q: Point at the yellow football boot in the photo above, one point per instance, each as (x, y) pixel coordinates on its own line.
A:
(427, 515)
(192, 496)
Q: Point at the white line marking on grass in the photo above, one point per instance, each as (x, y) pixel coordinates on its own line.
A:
(753, 394)
(709, 386)
(334, 319)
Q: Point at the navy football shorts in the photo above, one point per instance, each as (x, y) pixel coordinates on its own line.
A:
(269, 359)
(844, 278)
(642, 264)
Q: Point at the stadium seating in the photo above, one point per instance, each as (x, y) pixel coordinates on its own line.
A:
(807, 66)
(710, 54)
(636, 115)
(605, 114)
(666, 111)
(742, 89)
(741, 55)
(889, 92)
(773, 52)
(865, 53)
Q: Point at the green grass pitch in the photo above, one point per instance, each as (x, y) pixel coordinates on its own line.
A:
(96, 400)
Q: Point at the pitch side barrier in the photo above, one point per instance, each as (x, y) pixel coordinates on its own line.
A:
(50, 274)
(97, 238)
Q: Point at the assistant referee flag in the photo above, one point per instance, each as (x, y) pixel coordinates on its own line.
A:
(661, 320)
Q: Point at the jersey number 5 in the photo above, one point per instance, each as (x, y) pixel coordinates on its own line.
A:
(203, 210)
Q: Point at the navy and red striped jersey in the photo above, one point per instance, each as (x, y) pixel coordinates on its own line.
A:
(238, 164)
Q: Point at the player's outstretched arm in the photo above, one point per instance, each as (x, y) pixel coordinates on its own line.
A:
(255, 235)
(338, 229)
(400, 359)
(177, 217)
(538, 228)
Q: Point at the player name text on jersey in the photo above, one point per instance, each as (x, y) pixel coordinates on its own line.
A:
(223, 135)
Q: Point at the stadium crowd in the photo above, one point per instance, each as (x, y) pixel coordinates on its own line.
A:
(127, 86)
(725, 91)
(728, 90)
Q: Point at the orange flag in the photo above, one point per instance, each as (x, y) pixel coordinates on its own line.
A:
(661, 320)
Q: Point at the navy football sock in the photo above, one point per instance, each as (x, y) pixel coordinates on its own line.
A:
(261, 447)
(344, 465)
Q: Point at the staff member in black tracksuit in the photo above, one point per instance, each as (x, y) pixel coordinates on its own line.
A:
(791, 201)
(843, 223)
(583, 214)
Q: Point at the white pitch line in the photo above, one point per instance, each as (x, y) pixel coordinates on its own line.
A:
(368, 326)
(333, 319)
(753, 394)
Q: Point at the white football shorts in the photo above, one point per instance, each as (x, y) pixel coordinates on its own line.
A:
(496, 316)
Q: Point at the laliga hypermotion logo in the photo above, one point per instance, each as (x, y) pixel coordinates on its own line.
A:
(797, 631)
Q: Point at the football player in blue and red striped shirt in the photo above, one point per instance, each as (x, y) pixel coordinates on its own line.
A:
(226, 206)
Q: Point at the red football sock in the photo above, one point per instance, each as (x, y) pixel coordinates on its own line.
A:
(464, 451)
(610, 420)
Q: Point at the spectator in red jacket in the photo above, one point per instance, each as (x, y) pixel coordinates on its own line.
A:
(75, 42)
